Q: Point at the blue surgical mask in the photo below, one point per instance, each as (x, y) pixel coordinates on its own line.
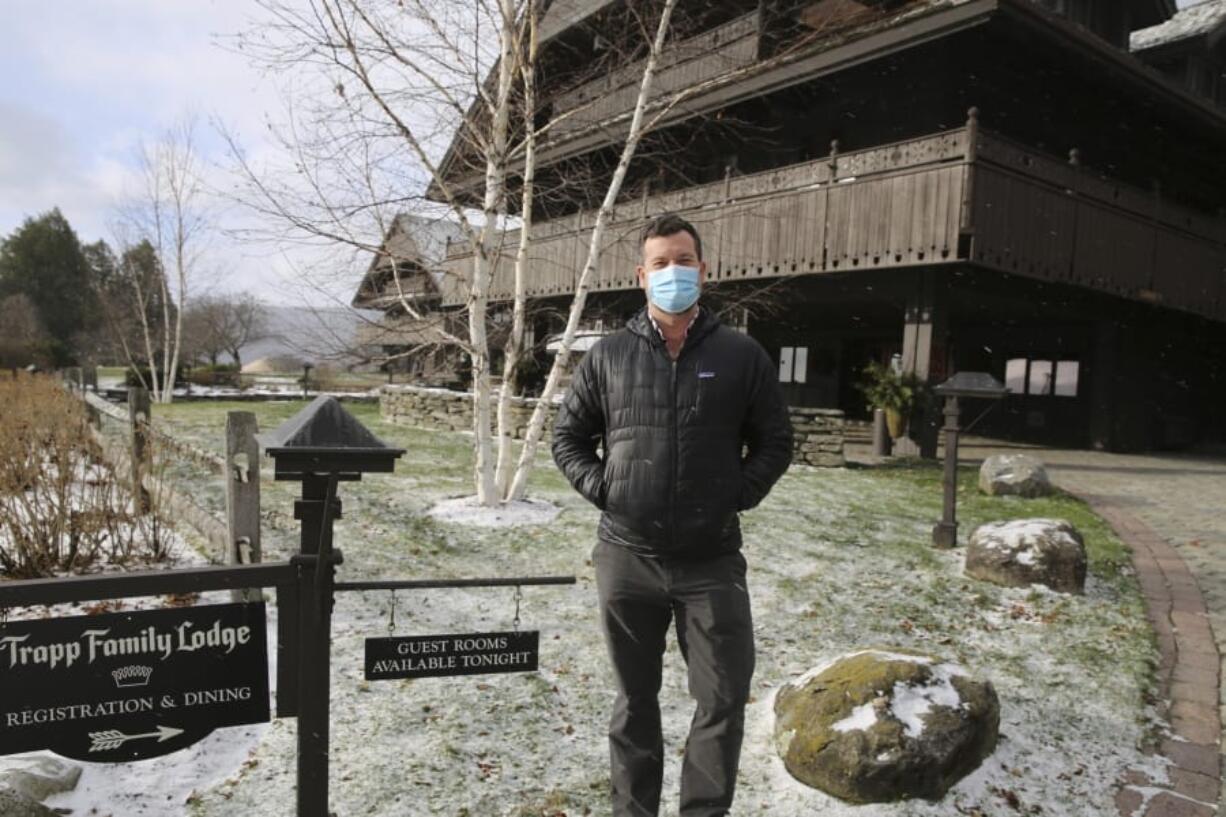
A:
(673, 288)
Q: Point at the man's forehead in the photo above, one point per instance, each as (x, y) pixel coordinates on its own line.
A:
(667, 245)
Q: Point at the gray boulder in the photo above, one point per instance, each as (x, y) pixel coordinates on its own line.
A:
(38, 776)
(15, 804)
(1017, 474)
(1022, 552)
(882, 725)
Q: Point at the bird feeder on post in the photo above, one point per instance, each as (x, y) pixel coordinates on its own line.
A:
(962, 384)
(320, 446)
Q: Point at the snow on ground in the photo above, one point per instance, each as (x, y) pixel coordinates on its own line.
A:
(839, 561)
(466, 510)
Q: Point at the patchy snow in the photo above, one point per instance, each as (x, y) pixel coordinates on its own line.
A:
(910, 702)
(884, 655)
(838, 559)
(466, 510)
(1025, 537)
(861, 717)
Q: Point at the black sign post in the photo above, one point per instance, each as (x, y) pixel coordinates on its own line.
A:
(128, 686)
(320, 446)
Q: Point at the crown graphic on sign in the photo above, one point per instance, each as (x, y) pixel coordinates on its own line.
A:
(133, 676)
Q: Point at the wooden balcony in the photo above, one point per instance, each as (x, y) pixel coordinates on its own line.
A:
(960, 196)
(725, 48)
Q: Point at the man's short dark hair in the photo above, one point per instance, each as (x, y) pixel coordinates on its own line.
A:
(670, 224)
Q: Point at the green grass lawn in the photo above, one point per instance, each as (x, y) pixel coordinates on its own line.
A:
(839, 559)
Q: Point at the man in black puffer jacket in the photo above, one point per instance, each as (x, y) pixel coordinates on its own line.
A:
(694, 430)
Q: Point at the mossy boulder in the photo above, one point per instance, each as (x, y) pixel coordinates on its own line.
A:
(1021, 552)
(1016, 474)
(883, 725)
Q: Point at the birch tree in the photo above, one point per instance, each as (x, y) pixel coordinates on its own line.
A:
(168, 213)
(410, 79)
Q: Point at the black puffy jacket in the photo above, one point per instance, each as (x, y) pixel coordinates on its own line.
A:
(687, 443)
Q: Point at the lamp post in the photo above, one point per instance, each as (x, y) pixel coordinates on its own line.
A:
(962, 384)
(319, 446)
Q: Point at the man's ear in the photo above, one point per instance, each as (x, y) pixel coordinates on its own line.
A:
(702, 272)
(642, 276)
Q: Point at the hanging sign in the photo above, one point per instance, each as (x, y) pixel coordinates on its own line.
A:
(426, 656)
(127, 686)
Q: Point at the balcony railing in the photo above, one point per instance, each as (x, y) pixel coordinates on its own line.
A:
(965, 195)
(724, 48)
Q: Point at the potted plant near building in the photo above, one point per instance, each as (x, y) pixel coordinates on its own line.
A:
(889, 391)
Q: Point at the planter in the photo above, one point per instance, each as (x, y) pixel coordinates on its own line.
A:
(896, 422)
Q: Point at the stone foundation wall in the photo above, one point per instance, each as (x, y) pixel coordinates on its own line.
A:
(818, 432)
(448, 410)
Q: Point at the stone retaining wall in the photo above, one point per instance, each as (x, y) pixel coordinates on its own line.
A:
(818, 432)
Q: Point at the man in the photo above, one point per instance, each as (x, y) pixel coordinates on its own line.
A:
(694, 429)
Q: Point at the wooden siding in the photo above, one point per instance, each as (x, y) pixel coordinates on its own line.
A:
(725, 48)
(892, 205)
(902, 204)
(1037, 216)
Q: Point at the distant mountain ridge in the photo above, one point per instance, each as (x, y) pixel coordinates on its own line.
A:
(326, 335)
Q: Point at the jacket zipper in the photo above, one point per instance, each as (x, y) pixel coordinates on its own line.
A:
(672, 493)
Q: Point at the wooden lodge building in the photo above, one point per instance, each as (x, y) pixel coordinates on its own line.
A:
(1032, 188)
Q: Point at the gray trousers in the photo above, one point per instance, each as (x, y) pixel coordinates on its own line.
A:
(639, 598)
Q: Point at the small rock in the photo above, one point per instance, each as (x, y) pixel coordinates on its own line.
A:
(1028, 551)
(1017, 474)
(15, 804)
(882, 725)
(38, 776)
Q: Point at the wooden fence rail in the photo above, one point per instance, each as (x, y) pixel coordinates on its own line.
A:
(236, 540)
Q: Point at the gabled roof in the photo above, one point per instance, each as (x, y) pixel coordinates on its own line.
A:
(414, 245)
(1205, 18)
(562, 14)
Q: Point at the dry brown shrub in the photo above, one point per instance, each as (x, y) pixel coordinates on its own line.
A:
(63, 508)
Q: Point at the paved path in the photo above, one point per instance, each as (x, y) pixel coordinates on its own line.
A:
(1171, 509)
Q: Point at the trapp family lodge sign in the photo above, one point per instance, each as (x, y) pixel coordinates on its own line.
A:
(126, 686)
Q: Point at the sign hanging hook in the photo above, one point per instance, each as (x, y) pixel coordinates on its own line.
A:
(519, 594)
(391, 616)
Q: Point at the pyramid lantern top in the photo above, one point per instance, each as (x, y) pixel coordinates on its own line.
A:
(324, 438)
(972, 384)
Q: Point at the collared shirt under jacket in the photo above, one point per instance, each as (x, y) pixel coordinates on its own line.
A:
(687, 443)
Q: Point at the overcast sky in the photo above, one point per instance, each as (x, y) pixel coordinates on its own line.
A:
(83, 81)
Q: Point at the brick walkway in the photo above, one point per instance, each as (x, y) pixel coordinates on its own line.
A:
(1171, 510)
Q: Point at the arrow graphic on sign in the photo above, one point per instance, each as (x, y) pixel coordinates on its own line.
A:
(113, 738)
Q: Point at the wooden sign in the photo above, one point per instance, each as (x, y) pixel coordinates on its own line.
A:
(426, 656)
(127, 686)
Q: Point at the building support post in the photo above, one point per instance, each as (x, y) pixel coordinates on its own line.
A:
(924, 352)
(1103, 374)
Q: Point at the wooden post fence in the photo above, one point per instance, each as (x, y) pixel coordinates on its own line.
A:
(139, 419)
(242, 476)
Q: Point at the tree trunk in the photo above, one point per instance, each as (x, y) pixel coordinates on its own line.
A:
(527, 454)
(514, 349)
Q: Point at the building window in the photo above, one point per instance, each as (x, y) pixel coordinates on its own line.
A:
(793, 364)
(1043, 378)
(1068, 372)
(1042, 375)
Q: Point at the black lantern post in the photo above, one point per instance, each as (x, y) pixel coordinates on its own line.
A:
(320, 446)
(962, 384)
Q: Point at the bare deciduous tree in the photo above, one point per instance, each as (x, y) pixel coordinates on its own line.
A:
(224, 324)
(168, 213)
